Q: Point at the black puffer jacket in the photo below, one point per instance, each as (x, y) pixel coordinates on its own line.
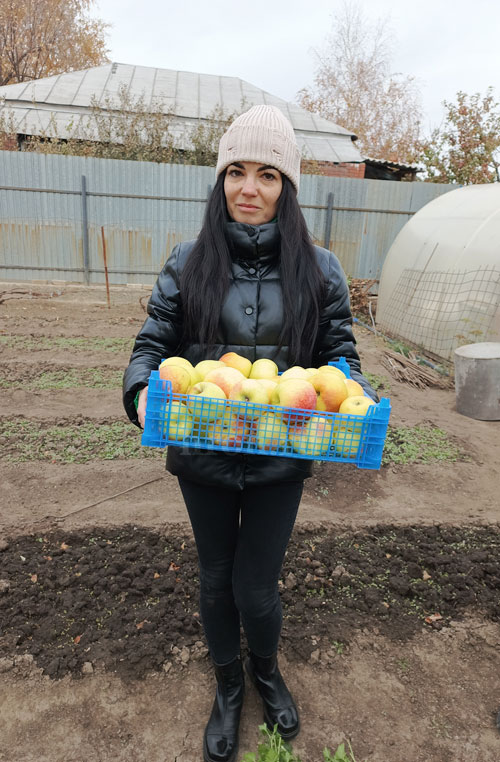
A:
(250, 325)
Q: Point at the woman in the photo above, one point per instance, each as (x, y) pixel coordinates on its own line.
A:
(252, 283)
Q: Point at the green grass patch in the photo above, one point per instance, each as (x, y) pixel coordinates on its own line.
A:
(377, 382)
(27, 440)
(420, 444)
(67, 378)
(274, 749)
(78, 343)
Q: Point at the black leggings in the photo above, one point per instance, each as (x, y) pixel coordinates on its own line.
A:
(241, 539)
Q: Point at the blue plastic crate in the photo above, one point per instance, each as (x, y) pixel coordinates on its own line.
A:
(224, 425)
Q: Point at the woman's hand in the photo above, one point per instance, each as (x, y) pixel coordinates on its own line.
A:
(141, 406)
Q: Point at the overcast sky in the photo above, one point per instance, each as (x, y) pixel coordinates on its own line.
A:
(448, 45)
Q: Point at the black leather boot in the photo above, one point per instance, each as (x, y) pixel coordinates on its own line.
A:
(220, 741)
(279, 706)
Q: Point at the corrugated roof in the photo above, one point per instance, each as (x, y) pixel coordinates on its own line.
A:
(53, 103)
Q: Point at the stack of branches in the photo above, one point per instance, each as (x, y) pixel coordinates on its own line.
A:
(360, 298)
(409, 370)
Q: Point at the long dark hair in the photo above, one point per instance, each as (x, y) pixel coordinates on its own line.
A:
(206, 276)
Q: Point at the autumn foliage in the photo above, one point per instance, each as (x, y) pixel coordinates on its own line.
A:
(39, 38)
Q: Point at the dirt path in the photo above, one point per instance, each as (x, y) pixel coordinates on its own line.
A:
(429, 695)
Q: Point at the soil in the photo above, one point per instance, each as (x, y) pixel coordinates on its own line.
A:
(390, 586)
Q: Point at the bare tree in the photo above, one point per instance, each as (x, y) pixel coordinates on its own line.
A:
(355, 88)
(39, 38)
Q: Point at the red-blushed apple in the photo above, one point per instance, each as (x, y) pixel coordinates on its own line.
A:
(183, 363)
(354, 389)
(205, 366)
(229, 431)
(179, 377)
(270, 432)
(234, 360)
(225, 377)
(331, 391)
(356, 405)
(250, 390)
(205, 401)
(294, 393)
(264, 368)
(313, 438)
(180, 423)
(294, 372)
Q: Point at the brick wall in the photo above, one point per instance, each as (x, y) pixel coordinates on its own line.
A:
(328, 169)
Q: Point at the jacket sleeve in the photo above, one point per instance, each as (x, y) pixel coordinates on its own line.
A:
(335, 336)
(160, 335)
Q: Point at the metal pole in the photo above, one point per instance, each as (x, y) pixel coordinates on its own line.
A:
(328, 221)
(105, 266)
(85, 232)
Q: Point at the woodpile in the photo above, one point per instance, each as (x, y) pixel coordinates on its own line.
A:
(361, 298)
(409, 370)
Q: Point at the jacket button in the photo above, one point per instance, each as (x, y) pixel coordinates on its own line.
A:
(249, 310)
(252, 270)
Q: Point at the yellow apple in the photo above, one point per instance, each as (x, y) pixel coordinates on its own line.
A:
(234, 360)
(269, 385)
(354, 389)
(180, 362)
(294, 372)
(270, 432)
(313, 438)
(205, 401)
(179, 377)
(331, 369)
(205, 366)
(264, 368)
(225, 377)
(356, 405)
(346, 438)
(180, 423)
(331, 391)
(250, 390)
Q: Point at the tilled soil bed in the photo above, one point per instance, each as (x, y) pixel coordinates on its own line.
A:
(126, 599)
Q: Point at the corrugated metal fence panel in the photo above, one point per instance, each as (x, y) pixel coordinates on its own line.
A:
(138, 211)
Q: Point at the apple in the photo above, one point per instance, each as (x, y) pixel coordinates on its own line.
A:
(179, 377)
(294, 372)
(264, 368)
(225, 377)
(354, 389)
(199, 401)
(250, 390)
(180, 423)
(331, 369)
(346, 438)
(295, 393)
(234, 360)
(331, 391)
(313, 438)
(356, 405)
(269, 385)
(270, 432)
(229, 431)
(205, 366)
(180, 362)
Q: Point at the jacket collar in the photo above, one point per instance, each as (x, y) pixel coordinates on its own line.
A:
(253, 242)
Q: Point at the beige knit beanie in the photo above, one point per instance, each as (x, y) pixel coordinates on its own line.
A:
(264, 135)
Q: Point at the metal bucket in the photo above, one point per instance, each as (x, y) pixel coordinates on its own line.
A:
(477, 380)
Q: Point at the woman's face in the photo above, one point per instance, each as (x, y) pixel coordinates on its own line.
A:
(252, 192)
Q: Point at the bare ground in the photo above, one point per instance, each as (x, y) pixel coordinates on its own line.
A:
(399, 688)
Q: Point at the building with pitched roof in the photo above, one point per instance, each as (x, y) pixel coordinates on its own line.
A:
(57, 106)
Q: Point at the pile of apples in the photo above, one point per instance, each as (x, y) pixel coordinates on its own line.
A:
(235, 378)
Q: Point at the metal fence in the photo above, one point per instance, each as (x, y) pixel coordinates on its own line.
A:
(70, 218)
